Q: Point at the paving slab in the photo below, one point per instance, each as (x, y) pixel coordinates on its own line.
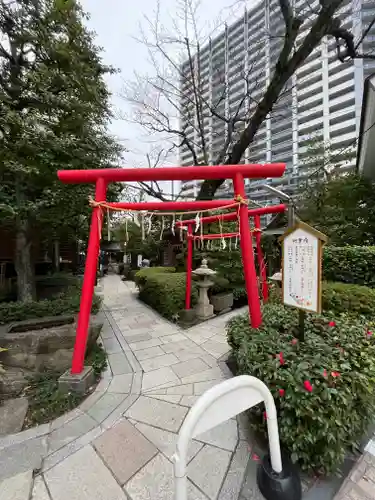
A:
(124, 450)
(137, 337)
(178, 346)
(188, 401)
(119, 364)
(145, 344)
(250, 490)
(155, 482)
(12, 415)
(200, 335)
(111, 345)
(121, 383)
(166, 441)
(158, 413)
(158, 362)
(191, 353)
(20, 437)
(151, 352)
(223, 436)
(40, 491)
(83, 476)
(22, 457)
(137, 383)
(209, 360)
(105, 406)
(190, 367)
(201, 387)
(118, 413)
(170, 398)
(17, 487)
(107, 331)
(183, 389)
(62, 453)
(208, 469)
(236, 473)
(175, 337)
(86, 404)
(158, 377)
(209, 374)
(216, 349)
(70, 431)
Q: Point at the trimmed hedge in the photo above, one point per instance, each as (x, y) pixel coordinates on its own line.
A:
(341, 298)
(165, 292)
(349, 299)
(141, 275)
(351, 264)
(324, 387)
(65, 303)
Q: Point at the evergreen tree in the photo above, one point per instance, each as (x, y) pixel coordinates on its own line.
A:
(53, 115)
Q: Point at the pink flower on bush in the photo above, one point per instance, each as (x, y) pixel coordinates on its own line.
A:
(369, 333)
(294, 341)
(325, 374)
(281, 358)
(281, 392)
(307, 385)
(335, 374)
(331, 323)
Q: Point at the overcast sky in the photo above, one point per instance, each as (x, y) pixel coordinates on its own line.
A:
(116, 24)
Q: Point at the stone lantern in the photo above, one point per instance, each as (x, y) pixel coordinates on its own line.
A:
(204, 310)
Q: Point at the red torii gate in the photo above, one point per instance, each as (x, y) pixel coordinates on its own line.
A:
(232, 216)
(102, 177)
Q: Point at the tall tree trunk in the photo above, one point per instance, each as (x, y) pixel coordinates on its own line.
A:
(24, 264)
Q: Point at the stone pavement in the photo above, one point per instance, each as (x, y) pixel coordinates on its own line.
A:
(118, 444)
(360, 485)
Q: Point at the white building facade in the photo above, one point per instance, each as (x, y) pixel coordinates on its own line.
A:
(322, 100)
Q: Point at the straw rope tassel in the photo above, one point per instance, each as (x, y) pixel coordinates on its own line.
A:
(108, 226)
(143, 226)
(162, 228)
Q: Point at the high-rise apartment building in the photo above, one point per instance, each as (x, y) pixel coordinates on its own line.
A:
(322, 100)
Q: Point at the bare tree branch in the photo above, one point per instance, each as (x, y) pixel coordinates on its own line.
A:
(178, 104)
(286, 65)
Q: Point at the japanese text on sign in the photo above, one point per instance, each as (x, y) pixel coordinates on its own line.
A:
(301, 270)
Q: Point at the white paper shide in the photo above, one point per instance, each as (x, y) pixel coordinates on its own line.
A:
(301, 273)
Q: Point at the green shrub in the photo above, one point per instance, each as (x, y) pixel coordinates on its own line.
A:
(132, 273)
(337, 359)
(141, 275)
(340, 298)
(239, 293)
(220, 285)
(351, 264)
(346, 298)
(166, 293)
(65, 303)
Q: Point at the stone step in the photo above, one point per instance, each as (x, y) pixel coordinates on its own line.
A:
(17, 487)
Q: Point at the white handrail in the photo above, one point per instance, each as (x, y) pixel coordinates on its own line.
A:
(218, 404)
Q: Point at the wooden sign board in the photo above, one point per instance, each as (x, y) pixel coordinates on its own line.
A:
(302, 267)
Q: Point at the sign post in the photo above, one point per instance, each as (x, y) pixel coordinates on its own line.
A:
(302, 247)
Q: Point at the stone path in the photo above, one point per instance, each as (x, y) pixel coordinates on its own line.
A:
(118, 444)
(360, 485)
